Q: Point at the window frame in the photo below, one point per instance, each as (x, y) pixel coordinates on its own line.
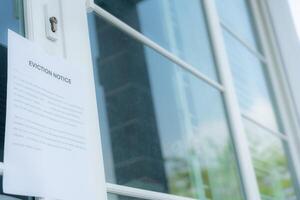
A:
(231, 103)
(279, 81)
(272, 56)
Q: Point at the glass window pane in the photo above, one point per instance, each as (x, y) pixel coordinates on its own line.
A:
(162, 128)
(251, 84)
(256, 101)
(271, 165)
(235, 16)
(178, 26)
(11, 17)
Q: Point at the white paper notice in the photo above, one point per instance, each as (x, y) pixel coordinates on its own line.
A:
(47, 144)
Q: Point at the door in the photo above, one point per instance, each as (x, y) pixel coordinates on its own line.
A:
(32, 19)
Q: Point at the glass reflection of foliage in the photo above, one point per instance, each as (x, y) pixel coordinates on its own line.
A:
(179, 180)
(256, 99)
(214, 175)
(273, 177)
(271, 165)
(166, 130)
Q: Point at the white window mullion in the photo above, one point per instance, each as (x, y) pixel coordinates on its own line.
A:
(231, 101)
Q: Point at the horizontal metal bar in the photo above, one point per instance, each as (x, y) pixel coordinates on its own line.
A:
(148, 42)
(132, 192)
(255, 52)
(142, 194)
(268, 129)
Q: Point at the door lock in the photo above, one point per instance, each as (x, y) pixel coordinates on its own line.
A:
(53, 23)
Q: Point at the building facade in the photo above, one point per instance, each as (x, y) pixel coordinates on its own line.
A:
(197, 99)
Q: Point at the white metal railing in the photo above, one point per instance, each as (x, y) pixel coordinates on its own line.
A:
(245, 44)
(142, 194)
(243, 155)
(264, 127)
(153, 45)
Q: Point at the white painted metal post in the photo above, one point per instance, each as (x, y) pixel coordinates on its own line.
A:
(238, 132)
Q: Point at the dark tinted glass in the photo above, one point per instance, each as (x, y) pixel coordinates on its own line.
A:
(11, 17)
(176, 25)
(162, 128)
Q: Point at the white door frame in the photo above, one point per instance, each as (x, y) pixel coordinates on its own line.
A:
(72, 44)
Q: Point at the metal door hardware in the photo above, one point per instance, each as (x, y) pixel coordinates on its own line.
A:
(53, 22)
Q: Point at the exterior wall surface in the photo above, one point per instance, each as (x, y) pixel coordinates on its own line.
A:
(289, 45)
